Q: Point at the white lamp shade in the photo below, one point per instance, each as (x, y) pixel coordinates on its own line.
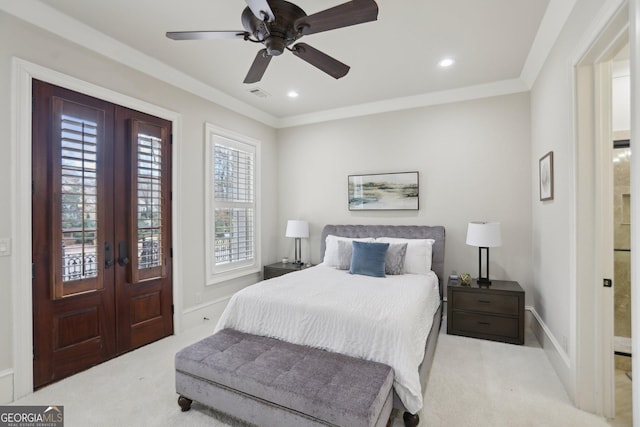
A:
(484, 234)
(296, 228)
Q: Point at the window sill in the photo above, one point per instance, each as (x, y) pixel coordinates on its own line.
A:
(226, 276)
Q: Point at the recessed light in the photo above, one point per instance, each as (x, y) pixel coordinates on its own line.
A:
(446, 62)
(293, 94)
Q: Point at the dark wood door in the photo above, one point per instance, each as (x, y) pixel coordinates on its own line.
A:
(101, 231)
(144, 302)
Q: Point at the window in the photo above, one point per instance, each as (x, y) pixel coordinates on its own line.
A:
(232, 209)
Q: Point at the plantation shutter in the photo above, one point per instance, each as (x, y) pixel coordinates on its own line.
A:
(234, 204)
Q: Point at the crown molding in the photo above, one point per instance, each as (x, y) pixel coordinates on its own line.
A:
(553, 21)
(504, 87)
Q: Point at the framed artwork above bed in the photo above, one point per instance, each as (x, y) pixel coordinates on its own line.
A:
(384, 191)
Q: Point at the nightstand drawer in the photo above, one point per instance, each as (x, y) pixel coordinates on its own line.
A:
(280, 269)
(273, 272)
(484, 326)
(485, 302)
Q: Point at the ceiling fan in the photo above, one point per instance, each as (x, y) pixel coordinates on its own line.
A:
(277, 24)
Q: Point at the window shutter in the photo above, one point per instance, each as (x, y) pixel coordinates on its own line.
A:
(232, 208)
(234, 201)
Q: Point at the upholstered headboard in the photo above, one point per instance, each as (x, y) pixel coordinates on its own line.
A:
(404, 231)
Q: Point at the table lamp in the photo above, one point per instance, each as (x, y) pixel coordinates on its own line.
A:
(484, 235)
(298, 230)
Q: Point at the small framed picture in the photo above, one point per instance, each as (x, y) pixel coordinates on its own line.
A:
(546, 176)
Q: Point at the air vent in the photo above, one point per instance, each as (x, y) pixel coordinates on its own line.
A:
(259, 92)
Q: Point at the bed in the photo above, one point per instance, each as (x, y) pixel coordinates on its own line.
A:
(328, 308)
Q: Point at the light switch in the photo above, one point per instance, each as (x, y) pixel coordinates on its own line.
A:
(5, 246)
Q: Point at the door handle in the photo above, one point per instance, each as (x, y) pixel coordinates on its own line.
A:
(108, 255)
(122, 254)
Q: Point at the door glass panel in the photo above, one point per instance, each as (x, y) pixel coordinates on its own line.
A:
(148, 201)
(77, 256)
(78, 195)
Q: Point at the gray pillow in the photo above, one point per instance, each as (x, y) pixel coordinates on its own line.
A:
(394, 263)
(345, 250)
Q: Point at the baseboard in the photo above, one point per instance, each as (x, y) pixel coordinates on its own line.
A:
(203, 313)
(556, 355)
(6, 386)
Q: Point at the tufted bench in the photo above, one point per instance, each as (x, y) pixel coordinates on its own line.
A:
(269, 382)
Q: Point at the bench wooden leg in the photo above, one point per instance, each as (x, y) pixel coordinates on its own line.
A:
(411, 420)
(185, 403)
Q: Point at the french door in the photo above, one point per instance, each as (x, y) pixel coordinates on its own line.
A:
(101, 230)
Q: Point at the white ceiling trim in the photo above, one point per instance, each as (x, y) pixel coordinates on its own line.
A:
(553, 21)
(49, 19)
(504, 87)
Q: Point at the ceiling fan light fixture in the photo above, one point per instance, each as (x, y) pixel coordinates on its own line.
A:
(275, 45)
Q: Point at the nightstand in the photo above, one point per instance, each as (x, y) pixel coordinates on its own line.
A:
(278, 269)
(493, 313)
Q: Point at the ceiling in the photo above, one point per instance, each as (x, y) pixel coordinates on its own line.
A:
(392, 58)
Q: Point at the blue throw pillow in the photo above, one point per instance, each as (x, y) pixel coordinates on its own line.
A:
(368, 258)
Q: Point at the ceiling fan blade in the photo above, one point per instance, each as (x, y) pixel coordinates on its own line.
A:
(207, 35)
(261, 10)
(320, 60)
(258, 67)
(344, 15)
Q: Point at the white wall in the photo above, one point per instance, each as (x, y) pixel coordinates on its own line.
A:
(554, 223)
(37, 46)
(621, 97)
(474, 163)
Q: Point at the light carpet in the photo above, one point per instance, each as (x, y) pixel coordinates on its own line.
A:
(472, 383)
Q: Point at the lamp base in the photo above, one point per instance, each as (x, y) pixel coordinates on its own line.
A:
(483, 281)
(298, 253)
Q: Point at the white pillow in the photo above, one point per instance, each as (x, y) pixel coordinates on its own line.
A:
(418, 257)
(331, 255)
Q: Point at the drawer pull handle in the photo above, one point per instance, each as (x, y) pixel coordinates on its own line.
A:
(484, 323)
(484, 301)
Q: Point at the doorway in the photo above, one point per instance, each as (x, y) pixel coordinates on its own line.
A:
(622, 219)
(594, 385)
(101, 231)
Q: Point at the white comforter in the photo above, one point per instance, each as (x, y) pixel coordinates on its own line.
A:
(386, 320)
